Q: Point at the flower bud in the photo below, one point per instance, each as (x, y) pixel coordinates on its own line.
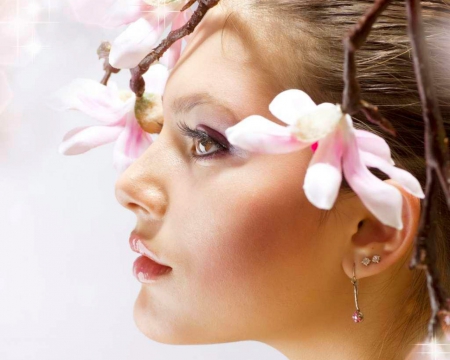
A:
(149, 112)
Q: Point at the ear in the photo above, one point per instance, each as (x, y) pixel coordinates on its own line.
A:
(374, 238)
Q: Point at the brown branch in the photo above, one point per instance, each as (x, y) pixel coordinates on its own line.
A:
(373, 115)
(351, 102)
(137, 83)
(103, 53)
(438, 167)
(188, 5)
(436, 145)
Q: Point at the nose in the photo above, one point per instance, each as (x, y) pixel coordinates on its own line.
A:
(142, 187)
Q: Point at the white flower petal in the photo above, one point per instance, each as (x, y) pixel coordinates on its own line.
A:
(383, 200)
(403, 177)
(156, 79)
(101, 102)
(130, 47)
(258, 134)
(291, 104)
(374, 144)
(324, 174)
(82, 139)
(131, 144)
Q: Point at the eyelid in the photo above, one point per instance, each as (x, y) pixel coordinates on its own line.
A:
(202, 135)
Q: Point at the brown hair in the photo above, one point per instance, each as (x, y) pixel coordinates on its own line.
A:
(298, 44)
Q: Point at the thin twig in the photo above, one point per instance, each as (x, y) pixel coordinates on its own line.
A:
(438, 166)
(103, 53)
(436, 145)
(137, 83)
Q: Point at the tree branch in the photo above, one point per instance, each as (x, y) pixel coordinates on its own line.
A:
(103, 53)
(436, 145)
(137, 83)
(438, 167)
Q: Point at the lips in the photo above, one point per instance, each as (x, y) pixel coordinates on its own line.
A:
(146, 268)
(137, 245)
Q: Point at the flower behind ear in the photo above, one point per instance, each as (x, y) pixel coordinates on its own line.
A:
(337, 146)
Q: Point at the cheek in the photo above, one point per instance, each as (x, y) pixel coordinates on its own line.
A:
(247, 236)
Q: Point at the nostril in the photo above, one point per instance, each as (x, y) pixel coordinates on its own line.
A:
(133, 207)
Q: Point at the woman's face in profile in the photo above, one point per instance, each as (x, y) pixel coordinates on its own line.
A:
(249, 255)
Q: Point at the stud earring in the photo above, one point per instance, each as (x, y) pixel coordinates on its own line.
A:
(357, 315)
(376, 259)
(365, 261)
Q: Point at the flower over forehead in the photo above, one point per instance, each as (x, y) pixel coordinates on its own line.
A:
(339, 148)
(146, 22)
(116, 110)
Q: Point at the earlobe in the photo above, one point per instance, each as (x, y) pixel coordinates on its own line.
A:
(374, 238)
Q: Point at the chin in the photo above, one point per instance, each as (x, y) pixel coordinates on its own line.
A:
(157, 325)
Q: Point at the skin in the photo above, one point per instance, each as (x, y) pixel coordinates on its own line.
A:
(251, 258)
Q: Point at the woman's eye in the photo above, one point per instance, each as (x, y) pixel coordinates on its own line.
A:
(205, 147)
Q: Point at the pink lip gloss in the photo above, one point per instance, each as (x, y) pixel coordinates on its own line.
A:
(147, 267)
(147, 271)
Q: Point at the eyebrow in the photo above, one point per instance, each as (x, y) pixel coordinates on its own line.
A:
(186, 103)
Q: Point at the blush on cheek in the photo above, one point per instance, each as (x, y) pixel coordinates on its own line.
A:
(256, 229)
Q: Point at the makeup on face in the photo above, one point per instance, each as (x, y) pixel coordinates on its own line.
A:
(147, 268)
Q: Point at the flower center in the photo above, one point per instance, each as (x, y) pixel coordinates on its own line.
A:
(317, 124)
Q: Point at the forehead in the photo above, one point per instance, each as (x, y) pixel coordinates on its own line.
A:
(215, 61)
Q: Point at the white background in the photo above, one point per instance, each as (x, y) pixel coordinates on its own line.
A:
(66, 288)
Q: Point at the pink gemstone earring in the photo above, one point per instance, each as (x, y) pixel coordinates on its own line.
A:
(357, 315)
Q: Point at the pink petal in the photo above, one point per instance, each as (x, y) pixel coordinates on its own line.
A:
(383, 200)
(137, 41)
(82, 139)
(374, 144)
(131, 144)
(258, 134)
(101, 102)
(108, 13)
(403, 177)
(291, 104)
(130, 47)
(6, 93)
(324, 174)
(156, 79)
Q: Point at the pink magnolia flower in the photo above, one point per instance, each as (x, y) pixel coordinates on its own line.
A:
(115, 109)
(5, 92)
(147, 20)
(341, 148)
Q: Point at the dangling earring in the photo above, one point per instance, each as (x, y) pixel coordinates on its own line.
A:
(357, 315)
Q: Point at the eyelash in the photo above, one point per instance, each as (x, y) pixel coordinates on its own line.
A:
(202, 136)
